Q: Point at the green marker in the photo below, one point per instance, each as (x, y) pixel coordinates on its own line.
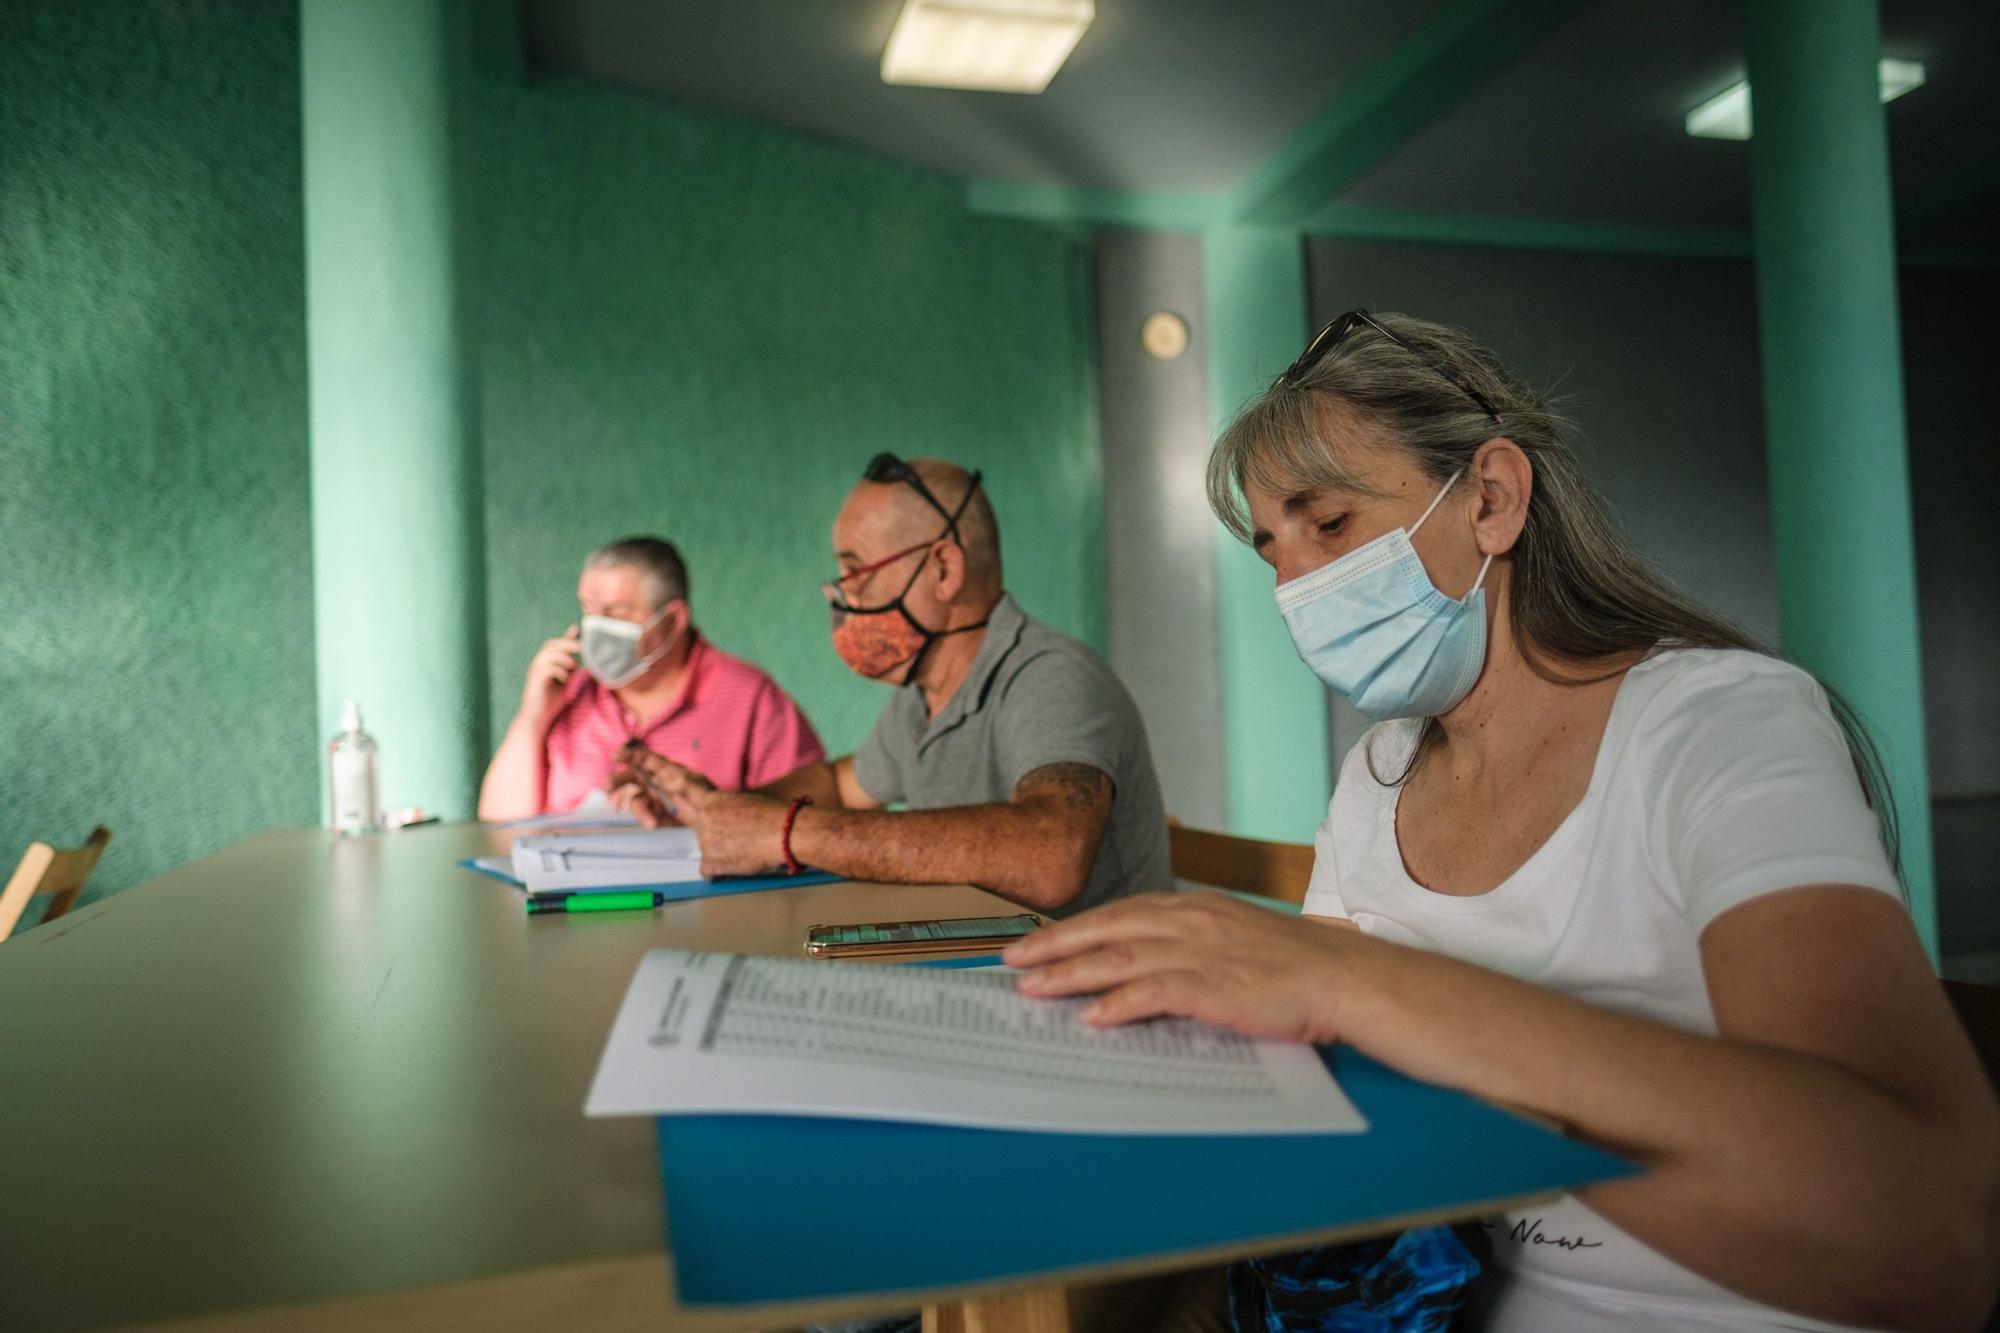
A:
(594, 902)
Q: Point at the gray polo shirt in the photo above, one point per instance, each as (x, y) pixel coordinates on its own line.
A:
(1033, 697)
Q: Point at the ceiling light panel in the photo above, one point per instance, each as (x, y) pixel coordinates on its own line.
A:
(1727, 114)
(1005, 46)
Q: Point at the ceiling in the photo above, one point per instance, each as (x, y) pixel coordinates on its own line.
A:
(1188, 96)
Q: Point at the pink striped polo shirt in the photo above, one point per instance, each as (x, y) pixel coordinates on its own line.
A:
(731, 724)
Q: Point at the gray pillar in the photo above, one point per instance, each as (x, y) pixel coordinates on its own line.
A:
(1159, 540)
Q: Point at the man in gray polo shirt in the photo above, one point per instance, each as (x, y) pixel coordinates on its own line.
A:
(1021, 759)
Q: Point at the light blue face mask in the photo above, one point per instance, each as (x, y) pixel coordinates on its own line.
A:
(1375, 629)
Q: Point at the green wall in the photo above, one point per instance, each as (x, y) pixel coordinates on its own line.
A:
(703, 328)
(155, 613)
(1278, 774)
(692, 325)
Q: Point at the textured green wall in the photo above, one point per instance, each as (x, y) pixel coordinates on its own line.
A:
(692, 325)
(703, 328)
(155, 621)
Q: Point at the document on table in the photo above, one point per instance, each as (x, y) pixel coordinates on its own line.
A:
(499, 867)
(717, 1033)
(601, 860)
(594, 812)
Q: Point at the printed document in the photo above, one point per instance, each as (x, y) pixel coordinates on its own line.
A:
(603, 860)
(711, 1032)
(594, 812)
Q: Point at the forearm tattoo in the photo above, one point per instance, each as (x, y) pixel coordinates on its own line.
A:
(1081, 787)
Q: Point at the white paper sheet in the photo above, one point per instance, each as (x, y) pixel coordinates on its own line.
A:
(710, 1032)
(600, 860)
(595, 811)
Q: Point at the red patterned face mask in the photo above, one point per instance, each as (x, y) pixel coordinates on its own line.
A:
(875, 643)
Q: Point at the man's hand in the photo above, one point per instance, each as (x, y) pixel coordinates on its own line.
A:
(655, 789)
(636, 801)
(740, 834)
(547, 673)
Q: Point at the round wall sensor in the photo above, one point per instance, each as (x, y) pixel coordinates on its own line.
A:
(1164, 335)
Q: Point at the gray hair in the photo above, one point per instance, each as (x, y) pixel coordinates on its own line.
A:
(1578, 594)
(658, 563)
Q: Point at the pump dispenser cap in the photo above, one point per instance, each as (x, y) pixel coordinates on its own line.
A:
(350, 717)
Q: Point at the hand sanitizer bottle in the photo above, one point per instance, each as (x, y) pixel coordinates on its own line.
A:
(354, 780)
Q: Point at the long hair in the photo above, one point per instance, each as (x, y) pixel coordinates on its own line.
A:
(1579, 595)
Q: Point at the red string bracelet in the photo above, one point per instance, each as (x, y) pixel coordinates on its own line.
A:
(792, 866)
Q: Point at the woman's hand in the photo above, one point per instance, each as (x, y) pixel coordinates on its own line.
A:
(1202, 956)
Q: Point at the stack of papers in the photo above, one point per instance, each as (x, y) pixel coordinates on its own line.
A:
(722, 1033)
(607, 859)
(594, 812)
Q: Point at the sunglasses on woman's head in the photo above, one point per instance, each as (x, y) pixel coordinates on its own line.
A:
(1329, 338)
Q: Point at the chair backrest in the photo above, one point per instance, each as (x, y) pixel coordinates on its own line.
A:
(1978, 1010)
(44, 869)
(1278, 870)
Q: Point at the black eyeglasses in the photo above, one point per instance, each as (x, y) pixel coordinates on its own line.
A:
(1329, 337)
(886, 467)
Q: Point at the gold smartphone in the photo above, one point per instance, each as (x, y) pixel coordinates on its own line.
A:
(886, 939)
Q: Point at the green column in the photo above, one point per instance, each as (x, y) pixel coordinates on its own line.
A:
(396, 498)
(1274, 723)
(1833, 383)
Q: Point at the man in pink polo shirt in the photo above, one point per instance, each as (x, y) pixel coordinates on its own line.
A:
(635, 668)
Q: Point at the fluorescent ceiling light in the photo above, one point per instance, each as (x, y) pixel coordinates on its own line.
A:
(1727, 114)
(1002, 46)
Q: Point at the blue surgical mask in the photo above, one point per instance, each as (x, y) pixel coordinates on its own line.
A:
(1376, 630)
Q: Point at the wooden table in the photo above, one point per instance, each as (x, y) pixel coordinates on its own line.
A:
(346, 1077)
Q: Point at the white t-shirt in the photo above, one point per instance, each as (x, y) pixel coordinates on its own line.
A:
(1722, 776)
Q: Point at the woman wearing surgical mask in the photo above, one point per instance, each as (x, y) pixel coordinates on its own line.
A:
(1601, 858)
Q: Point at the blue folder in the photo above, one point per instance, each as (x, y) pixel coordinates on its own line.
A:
(686, 889)
(783, 1208)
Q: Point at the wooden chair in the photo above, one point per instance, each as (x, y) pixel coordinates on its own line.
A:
(1279, 870)
(46, 870)
(1978, 1010)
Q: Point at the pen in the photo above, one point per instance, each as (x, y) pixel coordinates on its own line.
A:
(593, 902)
